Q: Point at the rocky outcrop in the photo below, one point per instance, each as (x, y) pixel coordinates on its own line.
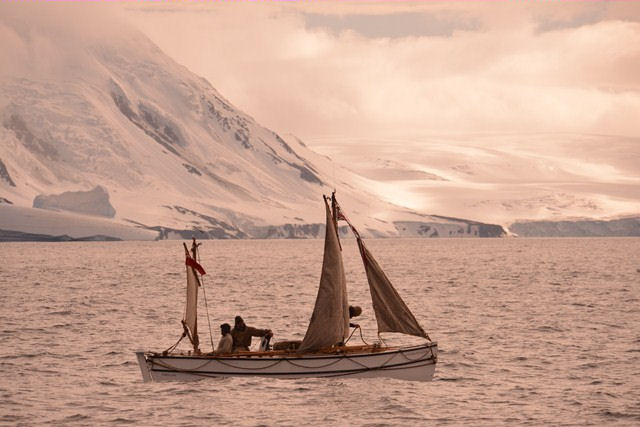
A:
(4, 175)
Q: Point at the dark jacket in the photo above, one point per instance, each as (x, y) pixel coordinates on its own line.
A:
(242, 339)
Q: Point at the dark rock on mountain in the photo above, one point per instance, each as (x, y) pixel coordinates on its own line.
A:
(4, 175)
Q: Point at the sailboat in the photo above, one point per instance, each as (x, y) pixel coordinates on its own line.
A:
(324, 350)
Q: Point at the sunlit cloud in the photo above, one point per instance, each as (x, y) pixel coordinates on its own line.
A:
(395, 68)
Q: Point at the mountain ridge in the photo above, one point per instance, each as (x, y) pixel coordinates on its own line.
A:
(170, 152)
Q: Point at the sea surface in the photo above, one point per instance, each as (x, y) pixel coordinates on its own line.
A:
(530, 331)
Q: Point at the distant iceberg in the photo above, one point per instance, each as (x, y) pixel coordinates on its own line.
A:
(94, 202)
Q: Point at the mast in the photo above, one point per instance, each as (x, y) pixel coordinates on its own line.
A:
(190, 320)
(391, 312)
(336, 215)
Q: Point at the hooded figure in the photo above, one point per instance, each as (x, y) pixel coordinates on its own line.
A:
(242, 334)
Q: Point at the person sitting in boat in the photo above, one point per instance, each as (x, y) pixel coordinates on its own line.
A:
(242, 334)
(354, 311)
(225, 345)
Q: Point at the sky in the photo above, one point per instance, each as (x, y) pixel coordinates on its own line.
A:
(356, 69)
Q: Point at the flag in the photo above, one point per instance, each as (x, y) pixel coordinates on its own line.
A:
(193, 264)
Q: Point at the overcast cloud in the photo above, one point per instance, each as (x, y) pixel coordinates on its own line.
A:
(408, 68)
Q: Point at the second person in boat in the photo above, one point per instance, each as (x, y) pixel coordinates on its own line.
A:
(225, 345)
(242, 334)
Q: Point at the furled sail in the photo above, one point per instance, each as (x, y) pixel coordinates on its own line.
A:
(190, 321)
(329, 324)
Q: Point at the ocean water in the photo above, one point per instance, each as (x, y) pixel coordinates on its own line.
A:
(530, 331)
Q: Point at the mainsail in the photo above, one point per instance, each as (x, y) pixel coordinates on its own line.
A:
(329, 324)
(190, 321)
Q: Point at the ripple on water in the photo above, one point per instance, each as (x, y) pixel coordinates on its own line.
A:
(531, 332)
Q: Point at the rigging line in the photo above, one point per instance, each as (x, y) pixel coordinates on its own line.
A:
(361, 337)
(206, 306)
(353, 332)
(170, 349)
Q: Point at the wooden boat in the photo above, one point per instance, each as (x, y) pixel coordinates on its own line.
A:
(322, 352)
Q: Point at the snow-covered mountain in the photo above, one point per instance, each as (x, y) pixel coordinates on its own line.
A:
(96, 120)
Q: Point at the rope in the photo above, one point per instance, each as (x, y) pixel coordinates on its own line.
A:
(338, 359)
(165, 365)
(334, 375)
(335, 359)
(206, 306)
(170, 349)
(361, 337)
(345, 374)
(250, 369)
(356, 328)
(352, 332)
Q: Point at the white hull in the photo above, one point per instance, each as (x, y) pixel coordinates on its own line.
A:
(416, 363)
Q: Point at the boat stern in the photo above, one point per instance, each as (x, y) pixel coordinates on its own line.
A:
(144, 366)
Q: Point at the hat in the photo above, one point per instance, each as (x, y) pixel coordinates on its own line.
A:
(354, 311)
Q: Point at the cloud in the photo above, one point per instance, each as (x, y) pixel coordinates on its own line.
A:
(383, 68)
(41, 39)
(393, 25)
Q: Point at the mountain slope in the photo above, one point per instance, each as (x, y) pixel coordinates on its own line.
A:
(99, 105)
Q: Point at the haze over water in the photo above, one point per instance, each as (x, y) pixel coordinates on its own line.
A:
(531, 331)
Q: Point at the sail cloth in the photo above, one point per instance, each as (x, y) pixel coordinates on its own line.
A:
(329, 324)
(190, 320)
(392, 314)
